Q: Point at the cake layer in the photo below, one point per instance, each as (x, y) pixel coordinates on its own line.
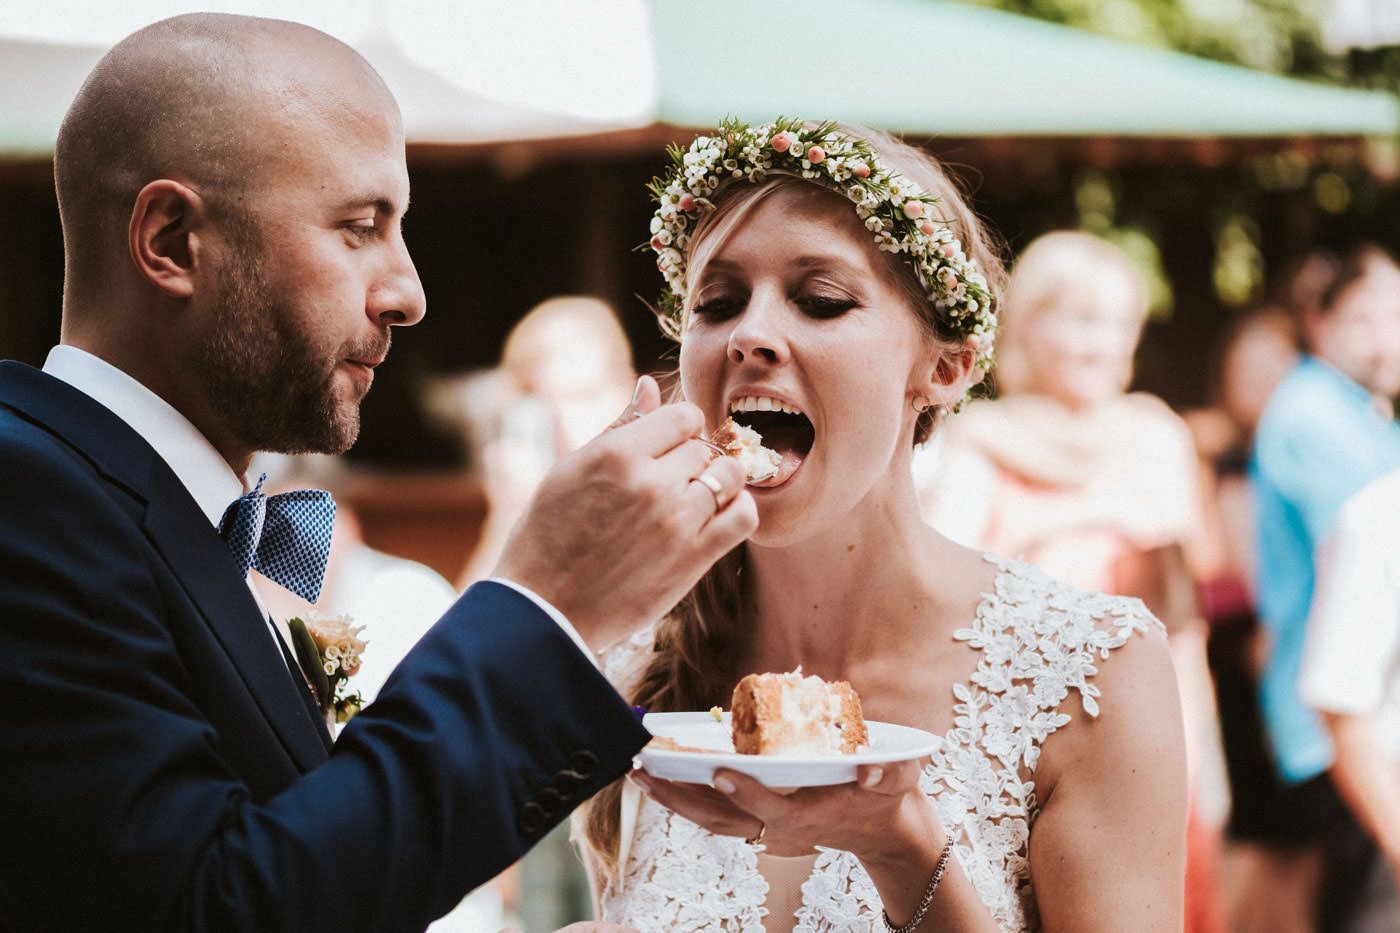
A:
(789, 714)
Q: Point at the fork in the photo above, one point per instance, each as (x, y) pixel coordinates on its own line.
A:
(718, 450)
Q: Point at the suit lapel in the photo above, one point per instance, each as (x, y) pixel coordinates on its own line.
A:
(193, 550)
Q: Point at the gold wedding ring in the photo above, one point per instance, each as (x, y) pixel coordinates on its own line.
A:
(758, 840)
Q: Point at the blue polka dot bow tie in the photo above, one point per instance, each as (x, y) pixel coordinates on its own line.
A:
(286, 537)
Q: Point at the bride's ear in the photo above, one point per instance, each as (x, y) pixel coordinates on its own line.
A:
(947, 375)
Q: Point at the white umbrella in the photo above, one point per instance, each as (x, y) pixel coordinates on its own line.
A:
(467, 71)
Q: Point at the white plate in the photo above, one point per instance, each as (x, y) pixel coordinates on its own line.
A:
(888, 742)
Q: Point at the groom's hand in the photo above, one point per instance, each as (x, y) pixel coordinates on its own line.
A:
(621, 529)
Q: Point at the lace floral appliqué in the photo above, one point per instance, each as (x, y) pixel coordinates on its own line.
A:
(1039, 641)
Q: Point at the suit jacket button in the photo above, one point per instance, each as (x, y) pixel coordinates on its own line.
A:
(569, 781)
(552, 799)
(532, 819)
(584, 762)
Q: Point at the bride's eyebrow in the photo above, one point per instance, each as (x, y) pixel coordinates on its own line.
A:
(816, 262)
(722, 264)
(824, 262)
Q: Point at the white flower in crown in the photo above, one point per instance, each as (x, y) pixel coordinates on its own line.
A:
(901, 216)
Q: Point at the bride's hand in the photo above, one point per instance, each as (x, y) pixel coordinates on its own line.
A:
(874, 817)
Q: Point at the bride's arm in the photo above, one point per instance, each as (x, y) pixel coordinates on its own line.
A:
(1107, 852)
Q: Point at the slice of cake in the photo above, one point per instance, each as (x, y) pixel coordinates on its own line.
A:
(789, 714)
(746, 445)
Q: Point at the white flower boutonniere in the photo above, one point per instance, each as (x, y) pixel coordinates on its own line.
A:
(328, 649)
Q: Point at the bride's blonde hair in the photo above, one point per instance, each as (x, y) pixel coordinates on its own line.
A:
(692, 665)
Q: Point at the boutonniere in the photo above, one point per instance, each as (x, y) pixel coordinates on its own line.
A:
(328, 649)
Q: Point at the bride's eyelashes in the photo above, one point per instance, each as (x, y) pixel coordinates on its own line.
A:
(813, 304)
(825, 305)
(719, 308)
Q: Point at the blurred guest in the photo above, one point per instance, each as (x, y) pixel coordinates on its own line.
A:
(1325, 433)
(1269, 882)
(1066, 468)
(564, 367)
(1351, 674)
(1070, 471)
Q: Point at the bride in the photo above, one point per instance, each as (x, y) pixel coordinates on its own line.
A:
(830, 287)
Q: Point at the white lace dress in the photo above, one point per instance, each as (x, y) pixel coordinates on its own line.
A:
(1039, 641)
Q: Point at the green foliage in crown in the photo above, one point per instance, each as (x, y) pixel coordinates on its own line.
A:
(902, 217)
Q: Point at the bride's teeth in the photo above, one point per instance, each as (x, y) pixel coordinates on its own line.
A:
(762, 403)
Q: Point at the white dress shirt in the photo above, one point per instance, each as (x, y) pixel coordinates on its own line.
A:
(1351, 660)
(199, 467)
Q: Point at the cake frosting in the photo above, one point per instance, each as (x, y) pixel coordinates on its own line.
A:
(746, 445)
(789, 714)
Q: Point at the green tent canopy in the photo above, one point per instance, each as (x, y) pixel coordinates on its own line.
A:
(933, 67)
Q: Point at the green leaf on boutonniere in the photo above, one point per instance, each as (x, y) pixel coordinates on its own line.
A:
(310, 660)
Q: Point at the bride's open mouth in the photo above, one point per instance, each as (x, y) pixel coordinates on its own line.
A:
(784, 430)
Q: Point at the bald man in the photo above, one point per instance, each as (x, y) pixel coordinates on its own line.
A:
(231, 192)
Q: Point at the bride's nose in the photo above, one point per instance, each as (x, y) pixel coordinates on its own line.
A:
(759, 332)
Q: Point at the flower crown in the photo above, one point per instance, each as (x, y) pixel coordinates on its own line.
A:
(898, 212)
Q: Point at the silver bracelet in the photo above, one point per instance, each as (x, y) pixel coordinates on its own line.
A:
(922, 909)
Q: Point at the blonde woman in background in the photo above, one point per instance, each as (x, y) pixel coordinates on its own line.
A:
(1097, 485)
(565, 372)
(1067, 468)
(1034, 814)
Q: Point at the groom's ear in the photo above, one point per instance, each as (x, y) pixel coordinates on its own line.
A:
(165, 236)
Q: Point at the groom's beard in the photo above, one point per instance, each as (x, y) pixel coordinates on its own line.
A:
(274, 388)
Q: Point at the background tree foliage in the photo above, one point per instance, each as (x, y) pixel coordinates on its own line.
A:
(1271, 35)
(1217, 235)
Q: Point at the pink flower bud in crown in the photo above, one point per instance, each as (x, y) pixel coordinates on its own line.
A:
(893, 207)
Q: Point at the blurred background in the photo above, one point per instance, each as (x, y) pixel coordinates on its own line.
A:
(1215, 141)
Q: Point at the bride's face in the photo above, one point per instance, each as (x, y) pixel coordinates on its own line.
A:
(796, 327)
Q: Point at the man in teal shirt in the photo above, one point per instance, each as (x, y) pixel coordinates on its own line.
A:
(1326, 432)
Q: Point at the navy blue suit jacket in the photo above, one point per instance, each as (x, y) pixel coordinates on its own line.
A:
(158, 769)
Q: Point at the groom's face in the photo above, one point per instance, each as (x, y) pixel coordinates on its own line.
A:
(313, 275)
(272, 377)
